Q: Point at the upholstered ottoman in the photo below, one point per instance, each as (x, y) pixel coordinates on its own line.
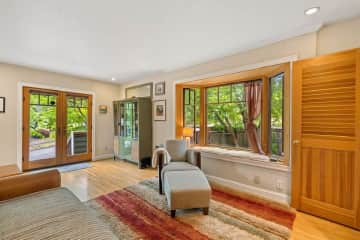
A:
(187, 189)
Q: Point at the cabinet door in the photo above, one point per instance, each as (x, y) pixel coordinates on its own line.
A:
(326, 134)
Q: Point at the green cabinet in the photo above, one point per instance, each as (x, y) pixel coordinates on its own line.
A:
(133, 130)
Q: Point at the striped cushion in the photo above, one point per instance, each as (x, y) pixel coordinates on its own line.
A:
(51, 214)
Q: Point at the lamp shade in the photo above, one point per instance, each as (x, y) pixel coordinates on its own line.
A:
(187, 132)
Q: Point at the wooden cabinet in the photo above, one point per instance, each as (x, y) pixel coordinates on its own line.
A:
(326, 137)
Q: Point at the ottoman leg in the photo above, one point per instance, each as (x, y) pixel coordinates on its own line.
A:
(173, 213)
(206, 211)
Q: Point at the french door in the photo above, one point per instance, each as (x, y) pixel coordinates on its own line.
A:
(57, 128)
(326, 137)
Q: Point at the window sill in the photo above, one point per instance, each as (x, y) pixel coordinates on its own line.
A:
(242, 157)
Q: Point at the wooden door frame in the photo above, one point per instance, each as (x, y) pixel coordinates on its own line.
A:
(295, 138)
(20, 87)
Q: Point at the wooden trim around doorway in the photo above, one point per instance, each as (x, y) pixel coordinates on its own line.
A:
(61, 148)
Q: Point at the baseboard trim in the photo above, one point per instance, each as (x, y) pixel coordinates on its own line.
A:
(103, 156)
(273, 196)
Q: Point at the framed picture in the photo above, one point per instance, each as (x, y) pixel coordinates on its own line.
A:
(143, 90)
(2, 104)
(103, 109)
(159, 88)
(159, 110)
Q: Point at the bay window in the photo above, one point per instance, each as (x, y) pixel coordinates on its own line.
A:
(245, 111)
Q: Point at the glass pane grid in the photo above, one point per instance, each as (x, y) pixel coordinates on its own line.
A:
(77, 125)
(277, 115)
(227, 116)
(191, 109)
(42, 126)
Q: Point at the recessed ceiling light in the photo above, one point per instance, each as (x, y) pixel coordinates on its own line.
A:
(312, 11)
(113, 79)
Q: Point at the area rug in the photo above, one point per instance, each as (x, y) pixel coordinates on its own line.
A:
(67, 168)
(140, 212)
(73, 167)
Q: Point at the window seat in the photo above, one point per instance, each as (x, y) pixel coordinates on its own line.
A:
(234, 153)
(240, 156)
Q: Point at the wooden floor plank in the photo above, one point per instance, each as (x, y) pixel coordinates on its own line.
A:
(104, 177)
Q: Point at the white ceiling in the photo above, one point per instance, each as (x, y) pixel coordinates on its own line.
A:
(130, 39)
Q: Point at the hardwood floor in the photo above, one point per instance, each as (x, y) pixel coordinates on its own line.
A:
(104, 177)
(108, 175)
(307, 227)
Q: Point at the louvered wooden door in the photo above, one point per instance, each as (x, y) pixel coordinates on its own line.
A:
(326, 137)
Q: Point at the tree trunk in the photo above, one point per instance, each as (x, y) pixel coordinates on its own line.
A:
(229, 128)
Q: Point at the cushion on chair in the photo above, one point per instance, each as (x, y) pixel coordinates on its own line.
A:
(186, 189)
(177, 149)
(177, 166)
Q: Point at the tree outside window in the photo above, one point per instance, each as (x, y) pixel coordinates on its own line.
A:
(227, 116)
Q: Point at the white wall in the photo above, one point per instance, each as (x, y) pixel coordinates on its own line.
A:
(11, 76)
(339, 36)
(268, 180)
(332, 38)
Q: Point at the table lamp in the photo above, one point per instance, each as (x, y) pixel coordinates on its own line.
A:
(188, 133)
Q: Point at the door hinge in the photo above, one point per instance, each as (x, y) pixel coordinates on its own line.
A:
(23, 159)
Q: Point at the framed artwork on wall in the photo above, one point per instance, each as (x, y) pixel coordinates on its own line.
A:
(2, 104)
(143, 90)
(159, 110)
(159, 88)
(103, 109)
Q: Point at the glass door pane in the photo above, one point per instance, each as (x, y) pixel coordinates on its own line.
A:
(42, 126)
(128, 128)
(77, 125)
(56, 128)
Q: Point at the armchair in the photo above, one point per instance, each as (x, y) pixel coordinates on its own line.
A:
(182, 159)
(184, 184)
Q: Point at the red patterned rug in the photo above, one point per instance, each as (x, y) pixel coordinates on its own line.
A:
(140, 212)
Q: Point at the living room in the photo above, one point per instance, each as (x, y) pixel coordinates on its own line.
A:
(166, 121)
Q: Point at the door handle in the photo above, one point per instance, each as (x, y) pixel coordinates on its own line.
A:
(296, 141)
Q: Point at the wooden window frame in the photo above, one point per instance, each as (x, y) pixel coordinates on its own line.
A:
(283, 114)
(264, 74)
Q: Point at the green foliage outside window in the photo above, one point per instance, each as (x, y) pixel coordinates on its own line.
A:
(227, 115)
(43, 115)
(192, 111)
(276, 114)
(77, 114)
